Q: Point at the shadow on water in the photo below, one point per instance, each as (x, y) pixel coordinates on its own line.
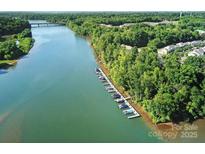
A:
(6, 69)
(2, 71)
(25, 56)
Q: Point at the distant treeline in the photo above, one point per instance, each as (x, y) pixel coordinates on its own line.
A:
(10, 26)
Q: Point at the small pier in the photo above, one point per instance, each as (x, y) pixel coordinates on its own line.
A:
(124, 105)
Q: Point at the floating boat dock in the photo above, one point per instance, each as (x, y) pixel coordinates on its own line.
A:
(111, 91)
(124, 105)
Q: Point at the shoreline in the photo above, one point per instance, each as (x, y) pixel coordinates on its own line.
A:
(4, 64)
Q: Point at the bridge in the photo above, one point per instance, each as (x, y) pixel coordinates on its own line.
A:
(45, 24)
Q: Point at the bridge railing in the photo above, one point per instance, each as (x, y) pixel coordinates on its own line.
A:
(45, 25)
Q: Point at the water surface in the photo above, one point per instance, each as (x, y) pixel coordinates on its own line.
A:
(53, 95)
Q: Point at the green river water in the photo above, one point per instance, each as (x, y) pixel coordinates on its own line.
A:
(53, 95)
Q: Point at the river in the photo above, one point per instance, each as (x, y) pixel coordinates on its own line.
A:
(53, 95)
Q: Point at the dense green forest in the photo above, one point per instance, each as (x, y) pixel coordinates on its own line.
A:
(15, 39)
(168, 89)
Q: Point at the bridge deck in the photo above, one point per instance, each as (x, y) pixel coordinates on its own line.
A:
(47, 24)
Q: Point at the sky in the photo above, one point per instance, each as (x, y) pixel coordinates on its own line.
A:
(102, 5)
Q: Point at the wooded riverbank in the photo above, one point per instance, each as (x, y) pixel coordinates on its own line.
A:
(15, 40)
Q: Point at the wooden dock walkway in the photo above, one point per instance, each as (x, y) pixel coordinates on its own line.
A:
(109, 83)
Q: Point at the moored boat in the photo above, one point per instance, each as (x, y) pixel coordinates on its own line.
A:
(97, 70)
(116, 95)
(120, 101)
(123, 106)
(128, 111)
